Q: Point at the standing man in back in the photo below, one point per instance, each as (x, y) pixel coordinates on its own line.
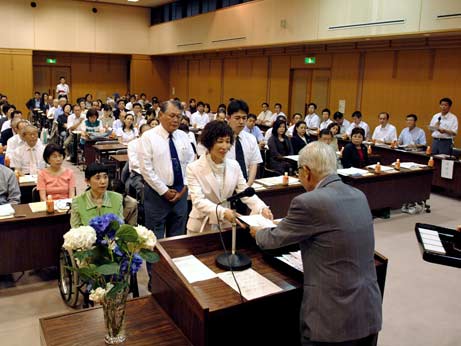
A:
(62, 89)
(444, 128)
(342, 301)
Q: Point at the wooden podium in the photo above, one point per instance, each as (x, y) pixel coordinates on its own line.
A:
(212, 313)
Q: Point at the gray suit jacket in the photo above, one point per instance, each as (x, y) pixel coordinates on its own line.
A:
(334, 227)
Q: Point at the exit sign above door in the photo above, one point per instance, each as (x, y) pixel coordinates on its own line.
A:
(50, 61)
(309, 60)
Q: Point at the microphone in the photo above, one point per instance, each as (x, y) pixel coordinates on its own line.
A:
(248, 192)
(440, 118)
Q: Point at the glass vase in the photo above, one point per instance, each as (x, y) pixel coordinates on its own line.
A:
(114, 317)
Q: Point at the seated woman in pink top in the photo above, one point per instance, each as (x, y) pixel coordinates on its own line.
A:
(55, 180)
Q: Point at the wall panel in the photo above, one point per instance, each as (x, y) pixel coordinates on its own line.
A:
(344, 81)
(149, 75)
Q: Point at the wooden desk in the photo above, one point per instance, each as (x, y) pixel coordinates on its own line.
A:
(103, 150)
(31, 242)
(450, 187)
(146, 324)
(89, 150)
(120, 161)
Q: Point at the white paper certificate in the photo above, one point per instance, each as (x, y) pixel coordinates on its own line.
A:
(192, 269)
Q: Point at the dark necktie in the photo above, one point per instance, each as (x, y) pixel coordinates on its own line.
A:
(178, 182)
(240, 157)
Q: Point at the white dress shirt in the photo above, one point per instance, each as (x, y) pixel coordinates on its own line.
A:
(290, 131)
(118, 124)
(72, 119)
(62, 90)
(386, 134)
(199, 120)
(250, 150)
(312, 121)
(265, 118)
(155, 159)
(133, 160)
(448, 121)
(276, 115)
(413, 137)
(362, 124)
(344, 126)
(28, 160)
(13, 143)
(324, 124)
(127, 136)
(6, 125)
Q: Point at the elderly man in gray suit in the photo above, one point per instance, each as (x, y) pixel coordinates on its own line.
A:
(333, 225)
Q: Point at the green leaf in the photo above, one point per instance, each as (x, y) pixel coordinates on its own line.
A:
(127, 233)
(86, 273)
(149, 256)
(81, 255)
(119, 286)
(108, 269)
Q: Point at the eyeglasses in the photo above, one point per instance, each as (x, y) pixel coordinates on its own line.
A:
(173, 115)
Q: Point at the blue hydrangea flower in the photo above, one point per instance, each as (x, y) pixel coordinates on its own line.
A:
(136, 263)
(101, 225)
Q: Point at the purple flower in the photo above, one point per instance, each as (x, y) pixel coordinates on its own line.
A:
(101, 225)
(136, 263)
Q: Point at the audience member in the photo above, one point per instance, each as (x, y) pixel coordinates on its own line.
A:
(325, 119)
(384, 132)
(344, 124)
(28, 158)
(252, 128)
(128, 132)
(7, 131)
(355, 153)
(9, 187)
(294, 120)
(199, 119)
(412, 136)
(36, 103)
(300, 138)
(16, 140)
(444, 127)
(277, 113)
(312, 119)
(358, 122)
(265, 117)
(334, 129)
(279, 146)
(62, 89)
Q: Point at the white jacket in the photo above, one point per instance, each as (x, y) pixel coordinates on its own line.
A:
(205, 195)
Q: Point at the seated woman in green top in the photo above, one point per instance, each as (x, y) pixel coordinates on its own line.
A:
(95, 201)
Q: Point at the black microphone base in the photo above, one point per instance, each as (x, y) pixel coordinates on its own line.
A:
(237, 261)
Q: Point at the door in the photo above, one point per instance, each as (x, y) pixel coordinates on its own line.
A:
(309, 85)
(47, 77)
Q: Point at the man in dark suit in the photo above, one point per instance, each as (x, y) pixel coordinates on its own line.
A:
(333, 225)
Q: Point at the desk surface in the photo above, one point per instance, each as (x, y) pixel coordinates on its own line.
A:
(121, 158)
(109, 147)
(24, 209)
(146, 324)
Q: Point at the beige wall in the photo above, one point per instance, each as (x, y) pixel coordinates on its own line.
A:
(63, 25)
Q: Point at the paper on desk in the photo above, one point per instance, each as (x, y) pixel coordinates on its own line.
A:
(272, 181)
(257, 220)
(252, 284)
(411, 165)
(293, 259)
(193, 269)
(6, 210)
(62, 204)
(383, 168)
(37, 207)
(292, 157)
(28, 179)
(258, 187)
(352, 171)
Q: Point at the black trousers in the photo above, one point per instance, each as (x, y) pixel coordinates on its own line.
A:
(370, 340)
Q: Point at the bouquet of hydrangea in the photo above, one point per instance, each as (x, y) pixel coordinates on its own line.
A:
(107, 252)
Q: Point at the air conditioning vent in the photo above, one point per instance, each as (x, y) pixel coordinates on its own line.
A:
(363, 25)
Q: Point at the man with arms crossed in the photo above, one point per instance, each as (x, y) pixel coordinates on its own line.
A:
(342, 300)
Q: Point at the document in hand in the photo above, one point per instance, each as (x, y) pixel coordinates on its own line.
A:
(257, 220)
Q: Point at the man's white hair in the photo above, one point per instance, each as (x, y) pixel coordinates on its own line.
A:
(319, 157)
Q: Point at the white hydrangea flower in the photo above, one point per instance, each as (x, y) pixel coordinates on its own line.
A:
(97, 295)
(81, 238)
(109, 287)
(147, 237)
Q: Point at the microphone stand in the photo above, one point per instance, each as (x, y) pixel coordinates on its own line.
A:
(233, 260)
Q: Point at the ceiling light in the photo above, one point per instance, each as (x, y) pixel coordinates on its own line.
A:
(133, 0)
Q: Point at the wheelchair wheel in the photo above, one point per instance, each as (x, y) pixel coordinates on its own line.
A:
(68, 279)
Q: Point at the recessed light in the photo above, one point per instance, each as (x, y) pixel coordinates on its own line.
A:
(133, 0)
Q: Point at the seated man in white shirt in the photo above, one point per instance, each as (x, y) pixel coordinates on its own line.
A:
(357, 122)
(199, 119)
(278, 112)
(265, 117)
(252, 128)
(444, 127)
(294, 119)
(28, 158)
(344, 124)
(384, 132)
(412, 136)
(312, 119)
(18, 126)
(325, 119)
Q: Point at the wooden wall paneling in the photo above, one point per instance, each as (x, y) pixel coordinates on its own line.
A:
(194, 81)
(230, 86)
(17, 76)
(344, 79)
(210, 70)
(178, 79)
(320, 92)
(321, 61)
(279, 80)
(149, 75)
(300, 89)
(255, 85)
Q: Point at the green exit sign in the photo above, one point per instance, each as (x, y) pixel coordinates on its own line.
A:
(50, 61)
(309, 60)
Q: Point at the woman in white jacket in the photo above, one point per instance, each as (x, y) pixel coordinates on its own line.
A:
(213, 178)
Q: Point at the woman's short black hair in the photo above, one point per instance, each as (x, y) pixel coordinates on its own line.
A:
(299, 123)
(50, 149)
(333, 125)
(358, 130)
(213, 130)
(94, 168)
(92, 112)
(276, 126)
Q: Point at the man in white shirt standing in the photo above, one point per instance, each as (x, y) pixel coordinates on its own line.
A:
(164, 153)
(277, 112)
(245, 149)
(444, 127)
(412, 136)
(312, 119)
(325, 119)
(199, 119)
(28, 158)
(62, 89)
(357, 122)
(265, 117)
(384, 132)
